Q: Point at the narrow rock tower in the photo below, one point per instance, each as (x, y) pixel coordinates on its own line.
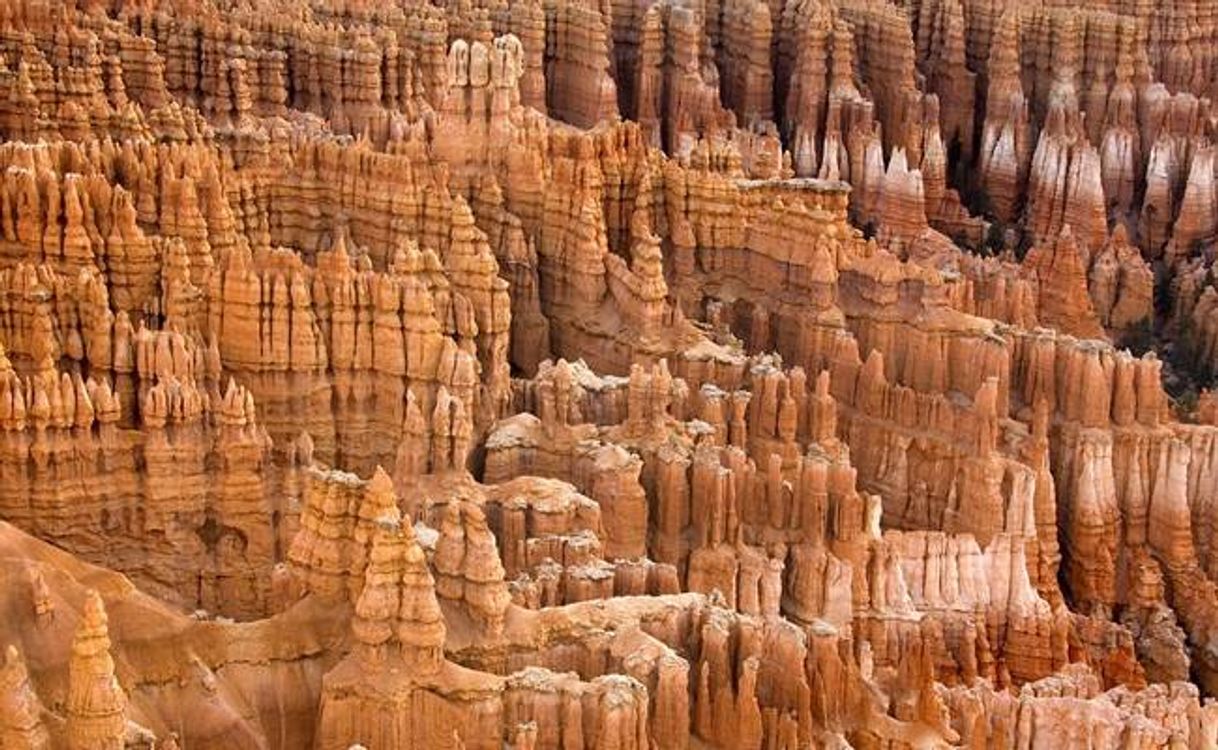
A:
(97, 705)
(21, 726)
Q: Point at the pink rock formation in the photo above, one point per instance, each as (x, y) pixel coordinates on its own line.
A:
(97, 706)
(1060, 270)
(608, 376)
(23, 727)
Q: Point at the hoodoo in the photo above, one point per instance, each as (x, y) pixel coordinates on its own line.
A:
(572, 375)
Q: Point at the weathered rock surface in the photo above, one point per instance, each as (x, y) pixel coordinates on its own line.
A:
(608, 375)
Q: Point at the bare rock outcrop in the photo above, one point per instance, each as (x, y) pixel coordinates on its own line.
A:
(608, 375)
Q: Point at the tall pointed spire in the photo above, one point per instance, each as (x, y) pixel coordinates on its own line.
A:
(377, 607)
(97, 705)
(420, 625)
(21, 726)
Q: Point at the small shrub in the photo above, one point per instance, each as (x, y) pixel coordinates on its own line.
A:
(1025, 244)
(1138, 338)
(1185, 405)
(995, 239)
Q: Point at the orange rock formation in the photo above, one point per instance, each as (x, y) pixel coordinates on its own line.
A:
(608, 376)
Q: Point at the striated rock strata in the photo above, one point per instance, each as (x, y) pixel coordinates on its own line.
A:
(608, 375)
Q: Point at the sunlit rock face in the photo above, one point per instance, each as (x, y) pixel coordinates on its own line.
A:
(608, 375)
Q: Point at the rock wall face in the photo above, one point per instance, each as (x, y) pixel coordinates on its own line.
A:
(608, 375)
